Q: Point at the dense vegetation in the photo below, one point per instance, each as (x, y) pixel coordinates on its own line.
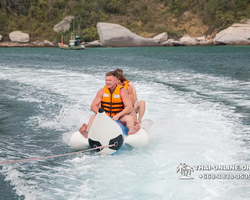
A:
(144, 17)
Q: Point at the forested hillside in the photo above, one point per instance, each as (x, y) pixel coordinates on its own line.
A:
(144, 17)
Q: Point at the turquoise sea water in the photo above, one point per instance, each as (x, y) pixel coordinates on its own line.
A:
(198, 98)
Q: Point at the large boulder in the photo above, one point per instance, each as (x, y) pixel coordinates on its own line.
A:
(19, 36)
(64, 25)
(237, 34)
(114, 35)
(161, 38)
(188, 41)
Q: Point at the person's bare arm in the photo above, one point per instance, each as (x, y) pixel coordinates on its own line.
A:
(131, 94)
(97, 100)
(127, 104)
(134, 92)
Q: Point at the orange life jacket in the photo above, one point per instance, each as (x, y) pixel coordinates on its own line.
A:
(126, 85)
(112, 103)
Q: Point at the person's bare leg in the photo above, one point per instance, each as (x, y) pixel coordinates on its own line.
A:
(84, 129)
(133, 114)
(132, 127)
(134, 130)
(140, 108)
(90, 122)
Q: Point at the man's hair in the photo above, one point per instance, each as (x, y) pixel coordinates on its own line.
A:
(119, 71)
(112, 73)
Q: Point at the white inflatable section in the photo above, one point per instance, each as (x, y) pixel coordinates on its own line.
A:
(141, 138)
(78, 141)
(103, 129)
(147, 124)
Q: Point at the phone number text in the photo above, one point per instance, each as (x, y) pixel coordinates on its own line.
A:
(224, 176)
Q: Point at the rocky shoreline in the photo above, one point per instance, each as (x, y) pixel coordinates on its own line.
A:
(21, 45)
(115, 35)
(88, 45)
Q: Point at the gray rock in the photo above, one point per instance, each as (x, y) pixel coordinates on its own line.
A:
(206, 42)
(245, 21)
(177, 43)
(169, 42)
(237, 34)
(37, 43)
(161, 38)
(48, 43)
(19, 36)
(1, 37)
(115, 35)
(95, 43)
(201, 39)
(188, 41)
(64, 25)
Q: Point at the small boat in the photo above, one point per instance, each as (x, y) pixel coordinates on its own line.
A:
(74, 44)
(104, 131)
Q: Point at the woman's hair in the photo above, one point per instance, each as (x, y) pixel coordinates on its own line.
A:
(119, 71)
(121, 77)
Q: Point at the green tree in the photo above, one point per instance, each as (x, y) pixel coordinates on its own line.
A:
(3, 21)
(90, 34)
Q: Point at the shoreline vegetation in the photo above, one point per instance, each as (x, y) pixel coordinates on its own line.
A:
(31, 45)
(115, 35)
(42, 23)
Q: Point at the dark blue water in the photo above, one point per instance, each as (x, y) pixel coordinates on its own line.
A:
(198, 98)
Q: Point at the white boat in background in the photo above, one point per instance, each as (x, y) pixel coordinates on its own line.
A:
(74, 44)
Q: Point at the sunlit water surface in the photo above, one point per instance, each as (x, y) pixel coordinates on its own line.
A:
(198, 98)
